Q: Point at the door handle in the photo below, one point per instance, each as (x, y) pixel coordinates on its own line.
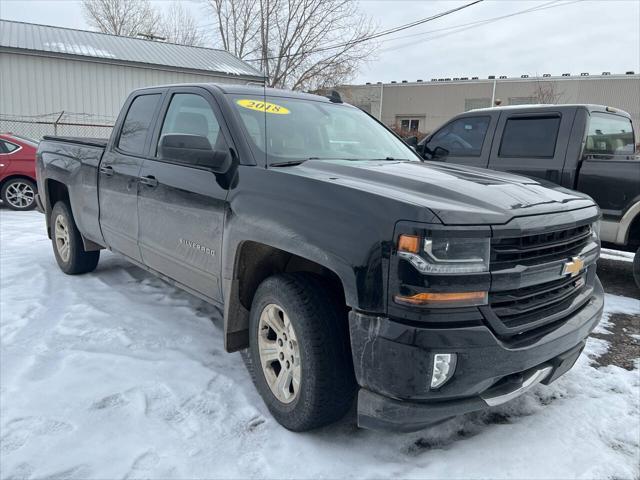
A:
(107, 170)
(149, 181)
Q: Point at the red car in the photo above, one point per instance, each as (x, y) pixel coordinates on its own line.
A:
(17, 171)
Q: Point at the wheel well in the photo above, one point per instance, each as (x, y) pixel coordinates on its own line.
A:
(254, 263)
(56, 191)
(634, 232)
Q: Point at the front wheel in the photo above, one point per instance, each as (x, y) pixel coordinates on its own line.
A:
(19, 194)
(68, 248)
(299, 356)
(636, 267)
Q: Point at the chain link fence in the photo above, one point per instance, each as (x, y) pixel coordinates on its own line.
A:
(69, 124)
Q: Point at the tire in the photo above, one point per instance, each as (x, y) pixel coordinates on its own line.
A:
(67, 243)
(636, 267)
(19, 194)
(319, 334)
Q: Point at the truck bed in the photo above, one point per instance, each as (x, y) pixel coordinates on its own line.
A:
(92, 141)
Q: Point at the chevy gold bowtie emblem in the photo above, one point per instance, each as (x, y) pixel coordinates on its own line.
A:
(573, 267)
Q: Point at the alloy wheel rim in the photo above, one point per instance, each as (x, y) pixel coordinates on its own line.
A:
(20, 195)
(62, 237)
(279, 353)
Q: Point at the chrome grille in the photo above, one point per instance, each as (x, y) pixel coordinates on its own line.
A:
(529, 295)
(539, 248)
(525, 306)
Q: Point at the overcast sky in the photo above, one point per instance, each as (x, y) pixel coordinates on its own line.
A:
(571, 36)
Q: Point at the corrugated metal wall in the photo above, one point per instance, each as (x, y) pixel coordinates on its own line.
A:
(437, 102)
(38, 85)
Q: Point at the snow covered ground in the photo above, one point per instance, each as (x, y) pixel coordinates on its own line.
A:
(117, 375)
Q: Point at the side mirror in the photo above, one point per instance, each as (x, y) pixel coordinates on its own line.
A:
(193, 150)
(439, 152)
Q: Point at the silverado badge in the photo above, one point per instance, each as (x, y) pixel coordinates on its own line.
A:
(197, 246)
(573, 266)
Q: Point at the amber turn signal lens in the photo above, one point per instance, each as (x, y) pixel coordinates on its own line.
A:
(409, 243)
(444, 299)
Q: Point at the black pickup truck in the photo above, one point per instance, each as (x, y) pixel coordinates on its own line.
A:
(588, 148)
(346, 265)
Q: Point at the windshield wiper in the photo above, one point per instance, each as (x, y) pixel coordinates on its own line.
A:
(302, 160)
(290, 163)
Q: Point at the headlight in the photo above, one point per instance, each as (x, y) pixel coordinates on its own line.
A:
(441, 254)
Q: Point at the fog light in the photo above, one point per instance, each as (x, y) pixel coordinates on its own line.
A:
(444, 364)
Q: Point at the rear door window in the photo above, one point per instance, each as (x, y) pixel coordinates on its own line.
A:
(135, 129)
(463, 137)
(533, 137)
(7, 147)
(609, 135)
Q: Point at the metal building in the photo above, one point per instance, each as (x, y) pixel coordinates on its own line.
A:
(68, 79)
(424, 105)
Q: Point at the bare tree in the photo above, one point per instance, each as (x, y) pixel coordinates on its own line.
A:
(237, 25)
(179, 26)
(546, 92)
(122, 17)
(289, 40)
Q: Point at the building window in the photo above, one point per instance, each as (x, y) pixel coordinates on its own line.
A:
(523, 100)
(410, 124)
(474, 103)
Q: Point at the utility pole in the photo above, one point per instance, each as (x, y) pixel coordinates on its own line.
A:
(380, 109)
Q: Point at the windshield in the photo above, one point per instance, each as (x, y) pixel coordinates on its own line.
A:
(298, 129)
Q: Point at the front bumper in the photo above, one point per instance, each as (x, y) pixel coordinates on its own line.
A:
(393, 365)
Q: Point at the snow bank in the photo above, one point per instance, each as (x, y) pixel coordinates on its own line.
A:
(114, 374)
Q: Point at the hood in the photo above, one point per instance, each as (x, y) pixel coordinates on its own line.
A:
(458, 195)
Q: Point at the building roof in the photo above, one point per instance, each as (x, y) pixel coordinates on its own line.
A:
(502, 79)
(114, 48)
